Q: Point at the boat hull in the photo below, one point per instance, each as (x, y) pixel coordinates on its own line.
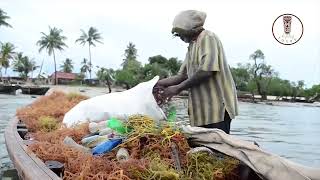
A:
(8, 89)
(34, 90)
(29, 167)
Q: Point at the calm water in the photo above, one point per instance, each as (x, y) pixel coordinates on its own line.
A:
(8, 106)
(291, 132)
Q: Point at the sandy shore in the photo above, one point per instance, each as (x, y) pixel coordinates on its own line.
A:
(282, 103)
(85, 90)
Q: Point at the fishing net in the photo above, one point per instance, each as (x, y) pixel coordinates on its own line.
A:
(157, 150)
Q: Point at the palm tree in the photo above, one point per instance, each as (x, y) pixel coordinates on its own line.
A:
(91, 37)
(50, 42)
(3, 18)
(104, 74)
(85, 66)
(6, 54)
(67, 66)
(24, 65)
(130, 54)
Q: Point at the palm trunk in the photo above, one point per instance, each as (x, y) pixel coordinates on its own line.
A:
(109, 86)
(55, 69)
(90, 65)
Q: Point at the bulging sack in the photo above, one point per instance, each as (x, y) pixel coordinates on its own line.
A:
(138, 100)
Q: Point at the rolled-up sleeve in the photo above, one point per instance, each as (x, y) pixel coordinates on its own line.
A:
(209, 54)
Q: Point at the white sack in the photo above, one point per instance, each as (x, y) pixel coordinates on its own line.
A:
(138, 100)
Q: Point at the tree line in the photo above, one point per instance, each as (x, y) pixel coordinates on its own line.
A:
(259, 78)
(256, 77)
(132, 72)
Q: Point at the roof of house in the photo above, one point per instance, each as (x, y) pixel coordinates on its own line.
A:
(63, 75)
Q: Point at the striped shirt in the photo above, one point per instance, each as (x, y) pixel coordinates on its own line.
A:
(209, 100)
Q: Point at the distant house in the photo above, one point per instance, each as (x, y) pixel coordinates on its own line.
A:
(63, 78)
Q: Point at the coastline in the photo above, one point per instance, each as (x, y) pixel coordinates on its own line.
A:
(96, 91)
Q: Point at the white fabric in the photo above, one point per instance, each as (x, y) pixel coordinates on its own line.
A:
(138, 100)
(189, 19)
(266, 165)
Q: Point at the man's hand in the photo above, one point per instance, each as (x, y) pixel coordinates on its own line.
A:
(171, 91)
(171, 81)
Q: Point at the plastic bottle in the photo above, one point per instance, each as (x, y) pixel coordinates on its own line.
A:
(70, 142)
(97, 141)
(116, 125)
(105, 131)
(94, 127)
(172, 116)
(106, 146)
(88, 140)
(122, 154)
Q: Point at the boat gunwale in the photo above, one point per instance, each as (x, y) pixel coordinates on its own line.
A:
(27, 164)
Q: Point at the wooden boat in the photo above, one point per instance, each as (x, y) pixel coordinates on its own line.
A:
(30, 167)
(34, 90)
(8, 88)
(27, 164)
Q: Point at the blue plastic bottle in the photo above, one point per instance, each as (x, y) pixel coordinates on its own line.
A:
(106, 146)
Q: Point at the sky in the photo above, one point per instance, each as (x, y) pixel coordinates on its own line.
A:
(242, 26)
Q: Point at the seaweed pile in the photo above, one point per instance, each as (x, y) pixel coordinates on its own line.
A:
(156, 150)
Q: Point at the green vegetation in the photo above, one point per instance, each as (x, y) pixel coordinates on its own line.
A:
(260, 78)
(50, 42)
(6, 54)
(104, 74)
(255, 77)
(24, 65)
(4, 18)
(67, 66)
(132, 72)
(91, 37)
(48, 123)
(85, 67)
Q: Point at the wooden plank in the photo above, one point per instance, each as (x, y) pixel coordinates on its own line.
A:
(26, 163)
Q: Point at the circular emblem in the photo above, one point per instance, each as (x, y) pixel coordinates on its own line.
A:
(287, 29)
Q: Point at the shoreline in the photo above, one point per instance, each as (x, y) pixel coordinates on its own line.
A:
(96, 91)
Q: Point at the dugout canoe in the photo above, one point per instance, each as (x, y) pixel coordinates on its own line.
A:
(8, 88)
(34, 90)
(30, 167)
(27, 164)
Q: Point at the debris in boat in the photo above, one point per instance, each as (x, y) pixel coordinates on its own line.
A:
(22, 132)
(199, 149)
(56, 167)
(122, 154)
(70, 142)
(137, 148)
(106, 146)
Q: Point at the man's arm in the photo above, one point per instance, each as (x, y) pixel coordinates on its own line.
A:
(195, 80)
(174, 80)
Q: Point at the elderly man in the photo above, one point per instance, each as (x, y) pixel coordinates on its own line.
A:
(205, 73)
